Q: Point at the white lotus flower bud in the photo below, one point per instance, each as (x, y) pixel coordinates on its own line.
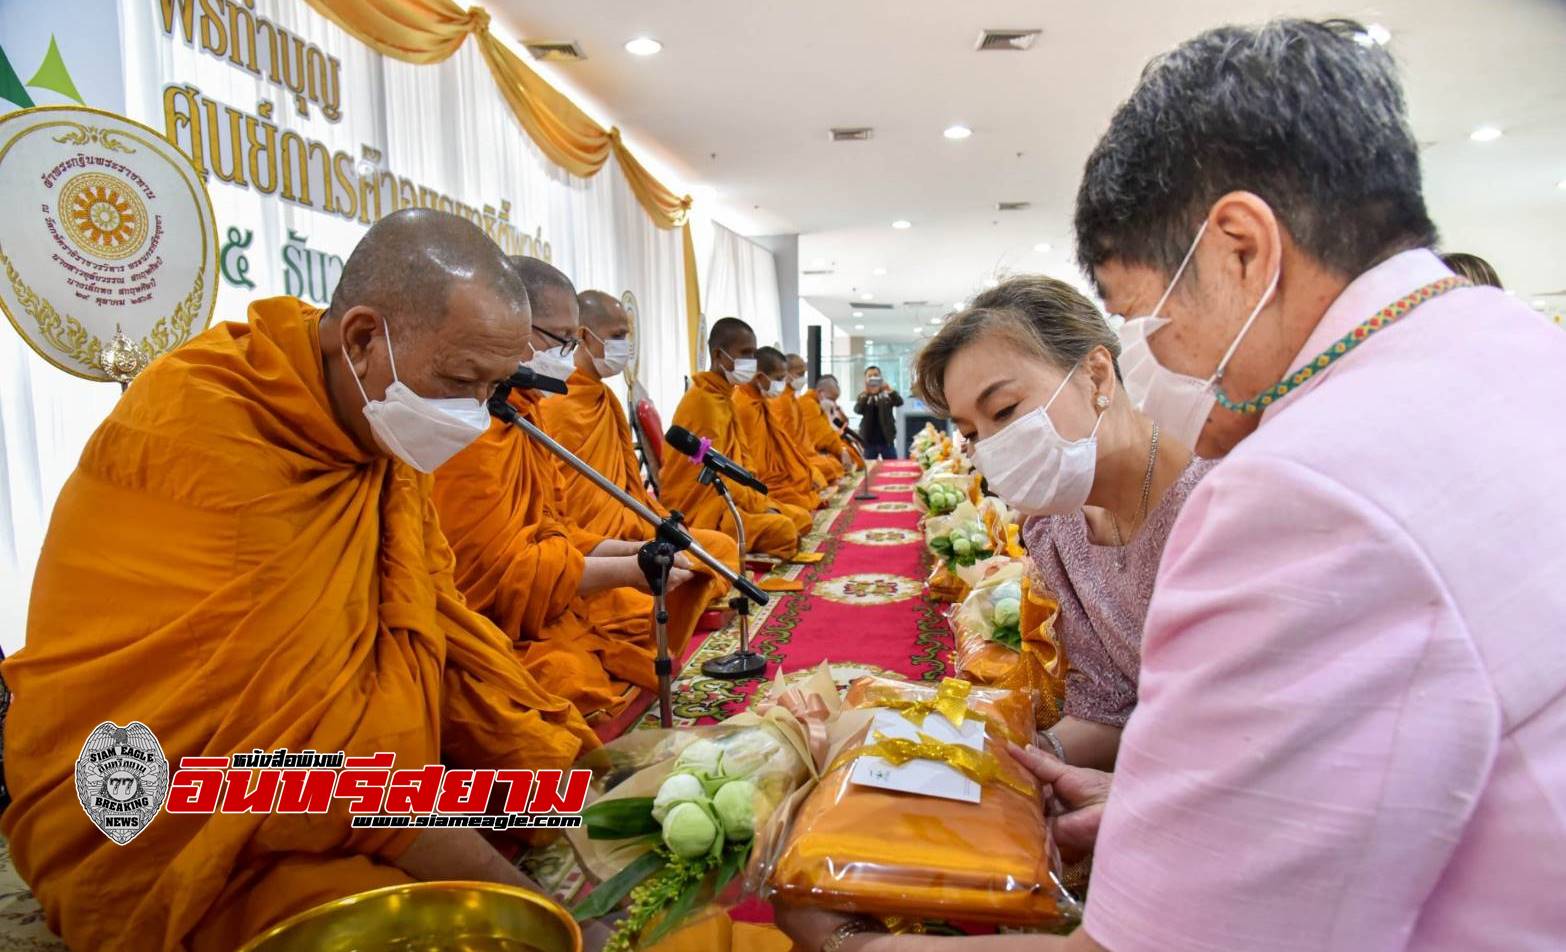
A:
(736, 806)
(677, 788)
(688, 831)
(701, 758)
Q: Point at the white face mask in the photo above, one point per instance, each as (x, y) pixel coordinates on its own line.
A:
(799, 385)
(1033, 468)
(744, 369)
(1178, 403)
(554, 362)
(775, 388)
(421, 431)
(617, 356)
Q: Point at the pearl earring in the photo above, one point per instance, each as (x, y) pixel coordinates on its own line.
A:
(1102, 402)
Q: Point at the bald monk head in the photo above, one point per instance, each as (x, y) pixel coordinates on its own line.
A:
(730, 340)
(771, 368)
(827, 387)
(603, 319)
(556, 320)
(430, 292)
(798, 375)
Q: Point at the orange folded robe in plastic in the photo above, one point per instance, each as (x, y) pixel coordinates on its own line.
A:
(227, 567)
(707, 410)
(826, 461)
(863, 849)
(590, 421)
(520, 562)
(784, 467)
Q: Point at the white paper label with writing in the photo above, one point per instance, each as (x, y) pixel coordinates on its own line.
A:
(929, 778)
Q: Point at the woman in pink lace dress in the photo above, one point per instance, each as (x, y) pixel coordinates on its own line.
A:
(1029, 371)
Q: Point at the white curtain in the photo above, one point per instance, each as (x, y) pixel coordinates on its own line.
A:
(443, 126)
(742, 281)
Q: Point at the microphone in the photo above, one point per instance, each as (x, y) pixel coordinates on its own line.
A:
(526, 378)
(701, 451)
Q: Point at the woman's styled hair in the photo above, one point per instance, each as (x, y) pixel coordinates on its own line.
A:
(1472, 267)
(1044, 317)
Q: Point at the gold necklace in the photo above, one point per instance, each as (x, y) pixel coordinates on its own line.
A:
(1147, 488)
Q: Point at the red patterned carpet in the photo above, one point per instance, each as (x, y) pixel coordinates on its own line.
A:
(861, 608)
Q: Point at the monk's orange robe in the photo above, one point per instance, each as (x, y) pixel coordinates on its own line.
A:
(590, 421)
(811, 406)
(828, 462)
(772, 526)
(229, 568)
(782, 463)
(819, 433)
(520, 562)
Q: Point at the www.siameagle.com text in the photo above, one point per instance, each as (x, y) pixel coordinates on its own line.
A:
(507, 821)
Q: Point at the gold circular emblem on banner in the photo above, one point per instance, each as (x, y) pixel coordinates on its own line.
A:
(103, 215)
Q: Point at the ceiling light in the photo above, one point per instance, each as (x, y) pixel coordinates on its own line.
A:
(1042, 247)
(902, 223)
(859, 327)
(957, 132)
(859, 313)
(1540, 305)
(935, 320)
(643, 46)
(867, 296)
(881, 272)
(1485, 134)
(868, 341)
(1561, 185)
(960, 305)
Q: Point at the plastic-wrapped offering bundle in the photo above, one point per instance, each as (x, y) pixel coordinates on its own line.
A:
(923, 813)
(1005, 636)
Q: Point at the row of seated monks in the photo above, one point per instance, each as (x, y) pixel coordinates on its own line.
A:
(305, 531)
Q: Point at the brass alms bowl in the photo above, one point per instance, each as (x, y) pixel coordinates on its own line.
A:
(428, 917)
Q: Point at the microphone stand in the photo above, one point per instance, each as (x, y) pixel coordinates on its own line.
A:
(655, 558)
(743, 663)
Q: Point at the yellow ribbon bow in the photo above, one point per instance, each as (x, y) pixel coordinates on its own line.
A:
(977, 765)
(951, 702)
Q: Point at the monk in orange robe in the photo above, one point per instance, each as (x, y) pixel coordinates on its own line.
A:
(819, 433)
(829, 392)
(772, 526)
(242, 560)
(573, 599)
(591, 422)
(784, 467)
(829, 460)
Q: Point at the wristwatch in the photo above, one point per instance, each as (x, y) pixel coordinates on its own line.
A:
(848, 930)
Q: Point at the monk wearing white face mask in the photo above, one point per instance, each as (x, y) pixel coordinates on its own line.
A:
(1029, 372)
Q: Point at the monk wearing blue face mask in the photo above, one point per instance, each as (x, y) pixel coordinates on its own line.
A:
(1029, 372)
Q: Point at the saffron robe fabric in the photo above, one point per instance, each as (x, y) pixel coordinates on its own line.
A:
(229, 568)
(772, 526)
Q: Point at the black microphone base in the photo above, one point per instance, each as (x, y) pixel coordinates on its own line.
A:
(734, 666)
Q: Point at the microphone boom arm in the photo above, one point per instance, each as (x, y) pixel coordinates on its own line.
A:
(667, 530)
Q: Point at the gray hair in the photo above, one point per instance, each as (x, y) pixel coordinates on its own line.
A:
(1309, 116)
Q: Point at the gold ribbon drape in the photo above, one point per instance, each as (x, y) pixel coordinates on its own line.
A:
(428, 31)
